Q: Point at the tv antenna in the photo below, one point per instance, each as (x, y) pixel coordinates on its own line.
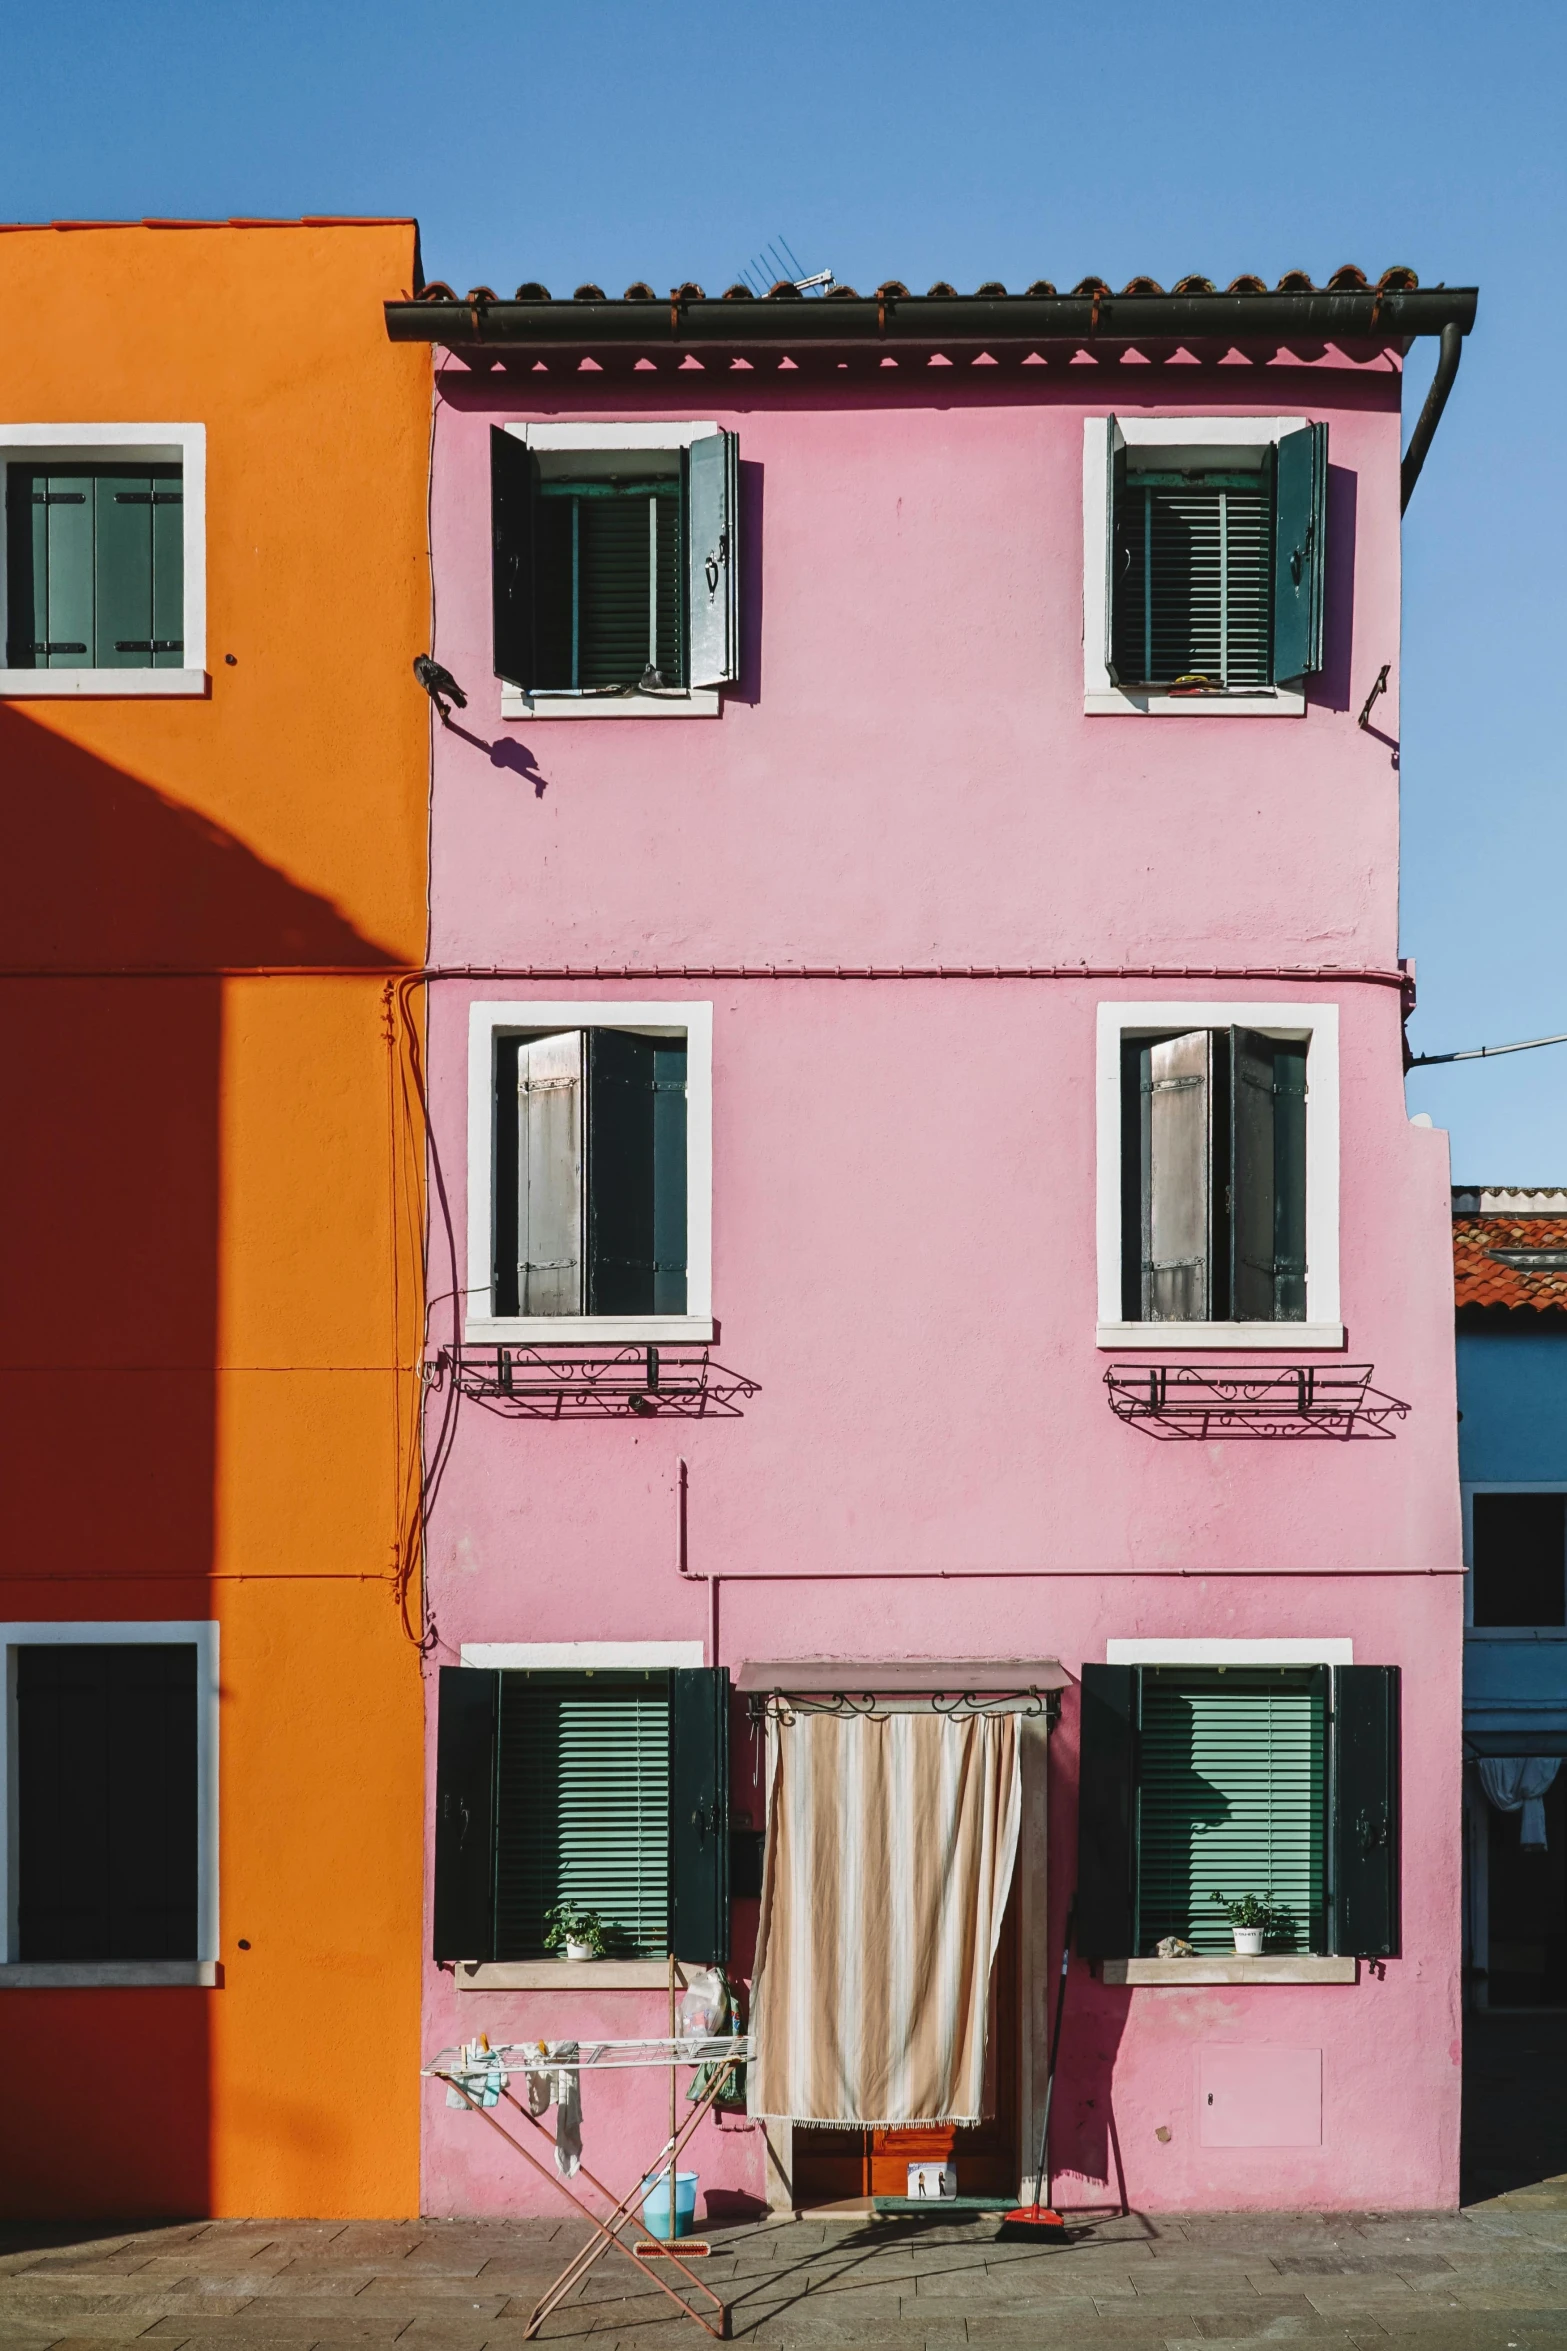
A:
(777, 261)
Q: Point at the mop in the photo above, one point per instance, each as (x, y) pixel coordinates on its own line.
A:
(1035, 2223)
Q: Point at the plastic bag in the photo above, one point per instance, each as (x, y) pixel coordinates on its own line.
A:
(703, 2007)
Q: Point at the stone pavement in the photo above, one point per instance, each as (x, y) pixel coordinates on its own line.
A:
(1491, 2278)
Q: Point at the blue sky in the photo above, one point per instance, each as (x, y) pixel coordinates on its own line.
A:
(1024, 138)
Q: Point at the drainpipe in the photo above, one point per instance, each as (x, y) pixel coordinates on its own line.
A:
(1448, 356)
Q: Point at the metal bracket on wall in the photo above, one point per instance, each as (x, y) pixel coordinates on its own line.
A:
(592, 1383)
(872, 1706)
(1172, 1401)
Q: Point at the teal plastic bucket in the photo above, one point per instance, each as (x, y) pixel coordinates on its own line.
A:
(655, 2203)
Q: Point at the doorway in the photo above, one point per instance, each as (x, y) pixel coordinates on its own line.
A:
(833, 2165)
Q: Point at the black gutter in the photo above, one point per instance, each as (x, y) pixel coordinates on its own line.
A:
(976, 322)
(1430, 416)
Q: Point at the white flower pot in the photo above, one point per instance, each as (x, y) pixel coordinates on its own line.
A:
(579, 1950)
(1248, 1942)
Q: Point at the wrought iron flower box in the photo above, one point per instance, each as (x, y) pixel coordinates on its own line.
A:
(1172, 1401)
(592, 1383)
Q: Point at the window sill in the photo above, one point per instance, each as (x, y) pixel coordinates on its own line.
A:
(1283, 1968)
(700, 703)
(592, 1330)
(106, 1975)
(565, 1975)
(1167, 1335)
(23, 685)
(1276, 702)
(1515, 1632)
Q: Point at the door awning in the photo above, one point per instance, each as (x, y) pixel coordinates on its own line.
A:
(954, 1686)
(921, 1677)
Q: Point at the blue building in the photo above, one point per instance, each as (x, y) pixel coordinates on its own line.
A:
(1510, 1279)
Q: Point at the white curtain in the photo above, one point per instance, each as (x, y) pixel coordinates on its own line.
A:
(890, 1850)
(1517, 1783)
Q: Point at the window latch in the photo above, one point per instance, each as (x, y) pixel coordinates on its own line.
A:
(720, 555)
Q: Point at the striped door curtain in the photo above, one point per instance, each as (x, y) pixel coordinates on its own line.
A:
(890, 1850)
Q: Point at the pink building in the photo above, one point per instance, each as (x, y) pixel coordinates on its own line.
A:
(918, 1015)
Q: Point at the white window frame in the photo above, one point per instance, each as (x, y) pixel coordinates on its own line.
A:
(1501, 1632)
(1317, 1025)
(1333, 1649)
(693, 702)
(580, 1656)
(202, 1634)
(184, 445)
(486, 1021)
(1101, 694)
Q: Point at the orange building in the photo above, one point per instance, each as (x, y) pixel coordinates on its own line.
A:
(213, 769)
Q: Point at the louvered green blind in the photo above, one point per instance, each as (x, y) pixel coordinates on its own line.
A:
(582, 1804)
(95, 567)
(1231, 1800)
(1193, 582)
(607, 584)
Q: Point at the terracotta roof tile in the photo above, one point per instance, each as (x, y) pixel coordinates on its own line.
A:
(1485, 1271)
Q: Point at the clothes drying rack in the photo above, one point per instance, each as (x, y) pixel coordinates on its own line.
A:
(670, 2052)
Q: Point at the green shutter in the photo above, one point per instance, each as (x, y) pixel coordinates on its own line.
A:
(1252, 1198)
(1289, 1180)
(464, 1904)
(582, 1801)
(95, 568)
(1268, 1178)
(699, 1814)
(1231, 1801)
(513, 485)
(1106, 1762)
(1366, 1860)
(122, 570)
(636, 1173)
(1192, 572)
(1300, 551)
(608, 584)
(168, 568)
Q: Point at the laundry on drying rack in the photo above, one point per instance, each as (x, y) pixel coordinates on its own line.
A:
(558, 2084)
(481, 2075)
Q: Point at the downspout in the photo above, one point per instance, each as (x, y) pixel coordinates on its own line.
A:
(1448, 356)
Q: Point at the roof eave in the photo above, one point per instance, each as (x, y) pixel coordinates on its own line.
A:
(961, 322)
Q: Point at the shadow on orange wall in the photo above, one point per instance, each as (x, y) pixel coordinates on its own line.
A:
(109, 1270)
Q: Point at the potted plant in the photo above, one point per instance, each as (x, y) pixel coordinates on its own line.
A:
(1251, 1917)
(580, 1933)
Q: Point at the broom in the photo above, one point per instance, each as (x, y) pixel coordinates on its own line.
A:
(1035, 2223)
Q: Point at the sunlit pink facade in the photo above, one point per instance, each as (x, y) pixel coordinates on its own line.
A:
(906, 869)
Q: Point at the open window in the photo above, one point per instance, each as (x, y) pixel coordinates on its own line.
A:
(589, 1180)
(607, 1790)
(104, 567)
(615, 566)
(1213, 1142)
(1222, 1782)
(1218, 1175)
(1518, 1566)
(590, 1174)
(1209, 541)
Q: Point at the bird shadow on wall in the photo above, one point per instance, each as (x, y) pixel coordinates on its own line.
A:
(505, 753)
(120, 909)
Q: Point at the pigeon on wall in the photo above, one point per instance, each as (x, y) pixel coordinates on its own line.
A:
(437, 682)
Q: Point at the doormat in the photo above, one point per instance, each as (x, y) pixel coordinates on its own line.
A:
(897, 2206)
